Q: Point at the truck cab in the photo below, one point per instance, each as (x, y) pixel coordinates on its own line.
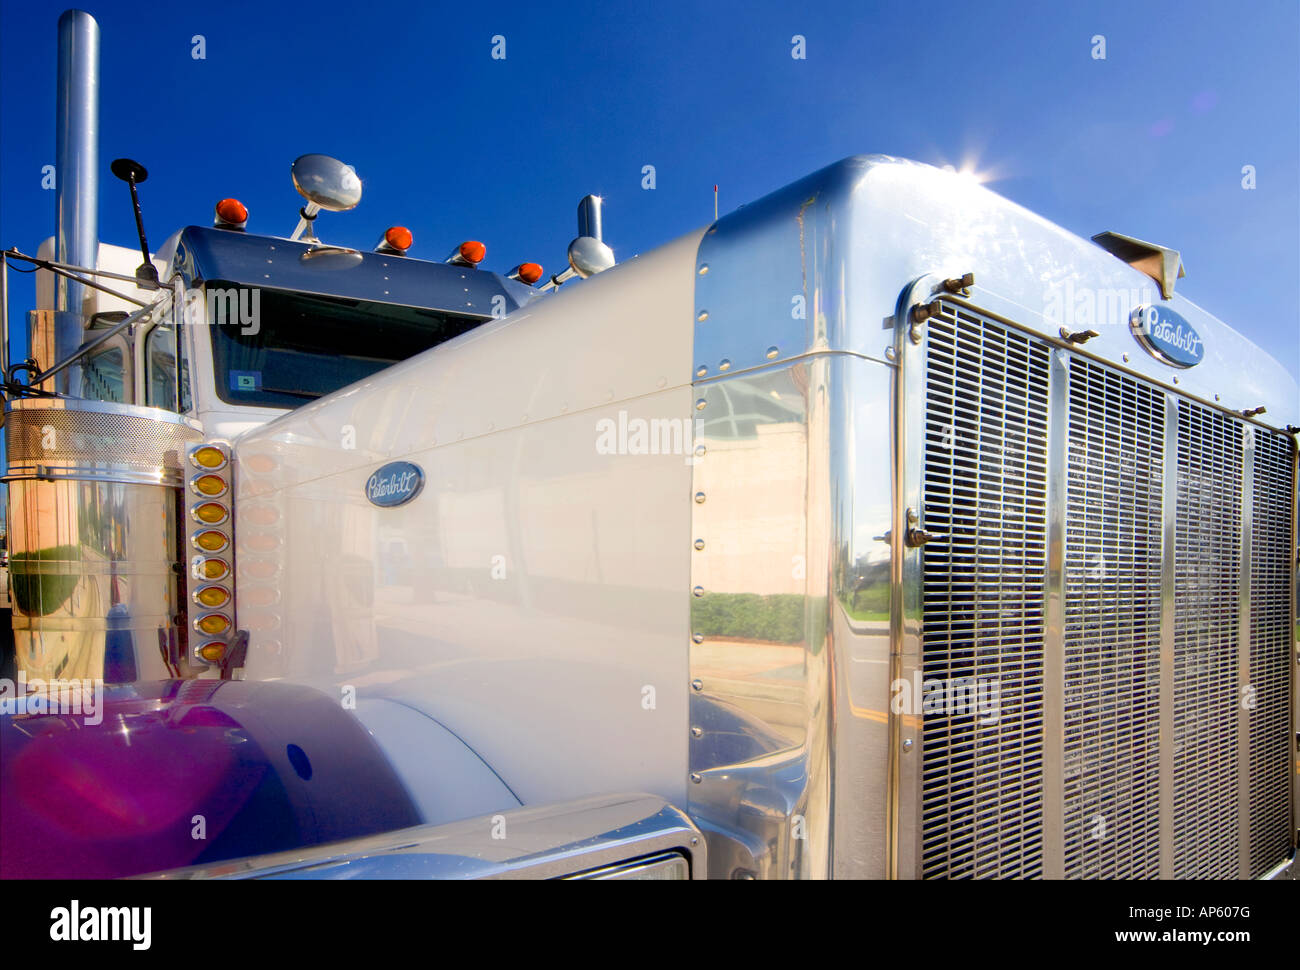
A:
(269, 324)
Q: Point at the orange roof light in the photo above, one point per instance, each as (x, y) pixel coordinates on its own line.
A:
(396, 239)
(469, 254)
(528, 273)
(231, 214)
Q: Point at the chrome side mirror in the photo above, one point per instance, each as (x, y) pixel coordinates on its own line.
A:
(326, 183)
(589, 256)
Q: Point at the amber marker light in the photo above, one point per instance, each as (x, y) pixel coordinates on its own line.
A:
(211, 541)
(210, 485)
(213, 597)
(210, 513)
(214, 569)
(213, 624)
(212, 652)
(208, 458)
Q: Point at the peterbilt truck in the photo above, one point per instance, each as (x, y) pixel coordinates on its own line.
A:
(878, 529)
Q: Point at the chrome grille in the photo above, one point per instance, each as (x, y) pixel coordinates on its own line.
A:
(1111, 656)
(985, 490)
(1270, 648)
(1207, 590)
(1171, 518)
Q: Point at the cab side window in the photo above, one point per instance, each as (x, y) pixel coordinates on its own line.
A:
(160, 370)
(104, 377)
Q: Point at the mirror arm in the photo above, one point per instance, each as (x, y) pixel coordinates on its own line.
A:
(307, 215)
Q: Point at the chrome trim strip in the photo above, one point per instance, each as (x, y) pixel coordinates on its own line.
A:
(1054, 627)
(103, 407)
(1294, 736)
(903, 857)
(1167, 648)
(1247, 458)
(533, 842)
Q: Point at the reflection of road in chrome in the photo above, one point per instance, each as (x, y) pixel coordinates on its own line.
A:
(861, 758)
(764, 679)
(767, 681)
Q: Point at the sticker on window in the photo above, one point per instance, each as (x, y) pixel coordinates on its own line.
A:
(245, 380)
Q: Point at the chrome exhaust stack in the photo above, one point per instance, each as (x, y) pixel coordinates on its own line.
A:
(77, 180)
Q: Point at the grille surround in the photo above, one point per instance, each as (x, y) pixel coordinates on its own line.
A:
(1158, 510)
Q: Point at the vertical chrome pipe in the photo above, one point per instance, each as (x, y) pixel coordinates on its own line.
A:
(77, 177)
(589, 217)
(4, 317)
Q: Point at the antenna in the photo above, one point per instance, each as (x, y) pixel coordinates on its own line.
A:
(715, 203)
(133, 173)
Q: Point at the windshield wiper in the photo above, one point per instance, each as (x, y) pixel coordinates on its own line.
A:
(313, 395)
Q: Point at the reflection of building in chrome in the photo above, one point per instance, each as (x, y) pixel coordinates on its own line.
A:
(756, 460)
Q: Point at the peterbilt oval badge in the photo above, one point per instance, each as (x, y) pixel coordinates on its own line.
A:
(1167, 336)
(395, 484)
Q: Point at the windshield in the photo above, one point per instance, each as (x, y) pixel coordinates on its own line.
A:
(278, 349)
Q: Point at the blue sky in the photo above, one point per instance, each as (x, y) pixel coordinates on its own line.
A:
(1150, 141)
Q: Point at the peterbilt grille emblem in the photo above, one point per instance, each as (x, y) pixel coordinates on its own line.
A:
(395, 484)
(1167, 336)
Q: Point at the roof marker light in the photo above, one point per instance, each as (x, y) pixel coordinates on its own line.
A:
(468, 253)
(231, 214)
(397, 240)
(528, 273)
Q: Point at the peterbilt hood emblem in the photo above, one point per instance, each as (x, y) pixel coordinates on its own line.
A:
(395, 484)
(1167, 336)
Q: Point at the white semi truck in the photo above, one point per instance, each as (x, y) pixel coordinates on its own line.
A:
(880, 528)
